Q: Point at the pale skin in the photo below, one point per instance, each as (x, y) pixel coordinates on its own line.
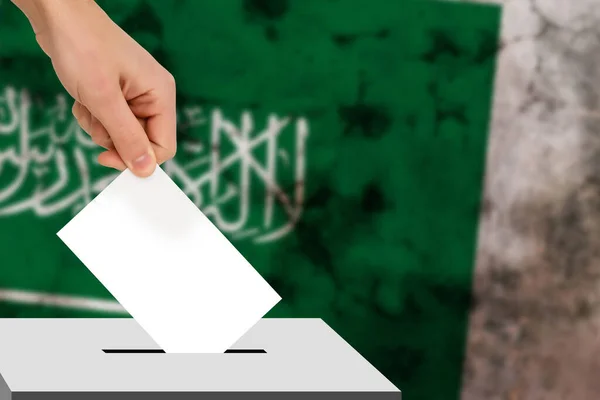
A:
(124, 99)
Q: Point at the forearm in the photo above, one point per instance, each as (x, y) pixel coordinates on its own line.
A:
(41, 13)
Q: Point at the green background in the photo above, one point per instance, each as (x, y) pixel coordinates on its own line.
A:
(396, 97)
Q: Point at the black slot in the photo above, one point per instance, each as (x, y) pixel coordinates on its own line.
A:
(159, 351)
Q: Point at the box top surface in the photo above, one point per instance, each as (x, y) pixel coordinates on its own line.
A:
(66, 355)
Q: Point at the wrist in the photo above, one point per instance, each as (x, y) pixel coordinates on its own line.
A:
(47, 16)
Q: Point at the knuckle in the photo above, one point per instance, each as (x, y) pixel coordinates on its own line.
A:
(169, 80)
(84, 123)
(98, 139)
(166, 154)
(171, 153)
(83, 128)
(172, 150)
(102, 141)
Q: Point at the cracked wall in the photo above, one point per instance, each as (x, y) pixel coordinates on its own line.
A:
(534, 326)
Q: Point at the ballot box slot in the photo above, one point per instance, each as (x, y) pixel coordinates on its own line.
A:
(159, 351)
(133, 351)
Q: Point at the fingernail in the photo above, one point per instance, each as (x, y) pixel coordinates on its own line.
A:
(143, 163)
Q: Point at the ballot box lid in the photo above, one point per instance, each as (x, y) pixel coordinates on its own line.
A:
(112, 355)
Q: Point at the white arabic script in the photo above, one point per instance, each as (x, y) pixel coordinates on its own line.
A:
(233, 171)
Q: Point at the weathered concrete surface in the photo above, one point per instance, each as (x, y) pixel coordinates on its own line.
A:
(534, 330)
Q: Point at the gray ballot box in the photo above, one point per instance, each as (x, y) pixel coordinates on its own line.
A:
(84, 359)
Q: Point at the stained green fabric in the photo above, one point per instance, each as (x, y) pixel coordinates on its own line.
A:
(340, 145)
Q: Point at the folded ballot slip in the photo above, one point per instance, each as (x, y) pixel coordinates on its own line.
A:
(167, 264)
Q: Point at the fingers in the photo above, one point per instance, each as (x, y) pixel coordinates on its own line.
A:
(92, 126)
(113, 123)
(159, 109)
(99, 135)
(162, 127)
(111, 159)
(128, 136)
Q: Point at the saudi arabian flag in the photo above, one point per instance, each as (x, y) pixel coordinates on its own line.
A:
(356, 192)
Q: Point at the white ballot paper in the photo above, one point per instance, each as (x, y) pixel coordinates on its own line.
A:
(168, 265)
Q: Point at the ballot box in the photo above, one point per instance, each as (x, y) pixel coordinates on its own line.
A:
(83, 359)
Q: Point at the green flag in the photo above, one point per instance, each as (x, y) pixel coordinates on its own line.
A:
(339, 145)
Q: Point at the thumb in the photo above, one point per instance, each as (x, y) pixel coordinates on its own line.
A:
(126, 132)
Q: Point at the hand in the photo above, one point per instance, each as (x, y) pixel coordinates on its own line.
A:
(124, 99)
